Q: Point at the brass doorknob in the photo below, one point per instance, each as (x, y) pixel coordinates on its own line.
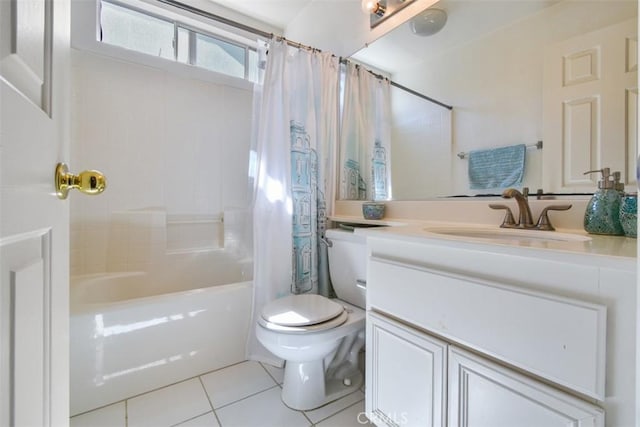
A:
(89, 182)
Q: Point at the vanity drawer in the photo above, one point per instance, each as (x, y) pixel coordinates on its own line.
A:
(557, 338)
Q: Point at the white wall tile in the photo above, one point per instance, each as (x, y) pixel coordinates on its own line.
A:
(161, 140)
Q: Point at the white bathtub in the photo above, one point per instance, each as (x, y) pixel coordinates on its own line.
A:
(125, 340)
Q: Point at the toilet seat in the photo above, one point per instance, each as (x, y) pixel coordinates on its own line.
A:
(302, 313)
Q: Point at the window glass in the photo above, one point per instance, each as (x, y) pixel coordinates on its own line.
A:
(219, 55)
(146, 33)
(133, 30)
(183, 45)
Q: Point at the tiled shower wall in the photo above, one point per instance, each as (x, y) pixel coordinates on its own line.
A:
(175, 153)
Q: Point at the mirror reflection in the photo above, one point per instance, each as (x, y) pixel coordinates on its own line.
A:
(515, 73)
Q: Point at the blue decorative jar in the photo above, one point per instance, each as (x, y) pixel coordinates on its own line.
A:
(629, 214)
(373, 210)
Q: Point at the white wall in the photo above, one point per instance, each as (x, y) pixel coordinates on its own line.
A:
(420, 148)
(174, 143)
(495, 83)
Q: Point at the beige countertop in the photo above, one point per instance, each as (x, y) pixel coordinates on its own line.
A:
(564, 244)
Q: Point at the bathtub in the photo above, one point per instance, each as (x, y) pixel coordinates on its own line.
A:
(129, 336)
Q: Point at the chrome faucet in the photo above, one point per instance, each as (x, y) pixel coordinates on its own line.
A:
(524, 217)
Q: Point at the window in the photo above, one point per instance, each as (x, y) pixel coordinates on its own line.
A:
(138, 30)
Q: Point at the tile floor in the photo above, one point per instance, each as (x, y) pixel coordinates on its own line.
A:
(242, 395)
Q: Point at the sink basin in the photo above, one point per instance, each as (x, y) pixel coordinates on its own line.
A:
(508, 234)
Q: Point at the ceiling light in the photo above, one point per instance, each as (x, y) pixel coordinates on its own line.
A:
(428, 22)
(381, 10)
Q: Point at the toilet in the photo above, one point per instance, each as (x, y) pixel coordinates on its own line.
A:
(320, 338)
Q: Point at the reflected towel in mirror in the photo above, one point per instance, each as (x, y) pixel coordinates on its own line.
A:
(496, 167)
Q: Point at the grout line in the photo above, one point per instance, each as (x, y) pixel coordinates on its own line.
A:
(192, 418)
(341, 410)
(224, 367)
(199, 378)
(311, 424)
(246, 397)
(99, 407)
(158, 388)
(269, 373)
(209, 400)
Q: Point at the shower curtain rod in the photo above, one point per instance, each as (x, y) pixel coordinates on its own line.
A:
(253, 30)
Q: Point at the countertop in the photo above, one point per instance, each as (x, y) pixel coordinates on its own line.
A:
(604, 251)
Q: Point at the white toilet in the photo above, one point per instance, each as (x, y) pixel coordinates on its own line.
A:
(320, 338)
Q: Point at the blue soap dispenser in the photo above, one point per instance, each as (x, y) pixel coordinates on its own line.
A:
(602, 214)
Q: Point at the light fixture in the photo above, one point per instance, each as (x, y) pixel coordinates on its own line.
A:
(381, 10)
(374, 7)
(428, 22)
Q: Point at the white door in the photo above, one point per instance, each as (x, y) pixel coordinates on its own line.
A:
(590, 99)
(34, 225)
(406, 375)
(485, 394)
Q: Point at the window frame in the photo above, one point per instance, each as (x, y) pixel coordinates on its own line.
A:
(86, 37)
(192, 35)
(193, 52)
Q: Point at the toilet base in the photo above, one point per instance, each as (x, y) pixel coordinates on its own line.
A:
(305, 386)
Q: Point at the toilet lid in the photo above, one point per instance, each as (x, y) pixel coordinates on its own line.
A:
(301, 310)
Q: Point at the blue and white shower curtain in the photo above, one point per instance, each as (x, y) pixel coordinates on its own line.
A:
(365, 141)
(295, 138)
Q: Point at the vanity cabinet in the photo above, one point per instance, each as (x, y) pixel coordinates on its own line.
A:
(486, 394)
(399, 359)
(490, 335)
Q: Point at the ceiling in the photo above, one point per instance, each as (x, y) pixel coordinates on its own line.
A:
(277, 13)
(467, 20)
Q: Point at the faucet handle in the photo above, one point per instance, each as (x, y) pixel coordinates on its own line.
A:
(508, 221)
(543, 221)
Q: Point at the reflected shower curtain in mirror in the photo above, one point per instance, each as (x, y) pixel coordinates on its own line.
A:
(365, 140)
(296, 134)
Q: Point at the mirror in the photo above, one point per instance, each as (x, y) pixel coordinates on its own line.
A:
(488, 63)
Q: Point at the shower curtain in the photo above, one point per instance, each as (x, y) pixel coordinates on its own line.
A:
(365, 137)
(295, 130)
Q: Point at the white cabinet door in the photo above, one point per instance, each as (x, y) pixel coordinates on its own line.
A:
(406, 383)
(34, 224)
(485, 394)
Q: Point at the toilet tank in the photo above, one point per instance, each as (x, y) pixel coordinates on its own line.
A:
(348, 265)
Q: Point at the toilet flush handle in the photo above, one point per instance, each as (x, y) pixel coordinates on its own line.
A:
(362, 284)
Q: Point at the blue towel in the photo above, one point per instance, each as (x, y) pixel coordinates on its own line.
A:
(497, 167)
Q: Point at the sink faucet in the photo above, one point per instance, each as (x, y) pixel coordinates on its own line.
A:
(525, 220)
